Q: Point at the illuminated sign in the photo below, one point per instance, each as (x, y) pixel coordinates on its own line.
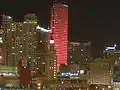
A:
(111, 48)
(69, 74)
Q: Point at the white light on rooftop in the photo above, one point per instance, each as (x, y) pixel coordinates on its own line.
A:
(43, 29)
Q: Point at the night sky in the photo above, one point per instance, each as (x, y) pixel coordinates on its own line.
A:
(97, 21)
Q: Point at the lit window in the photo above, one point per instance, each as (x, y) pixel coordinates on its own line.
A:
(9, 17)
(13, 53)
(70, 56)
(81, 49)
(20, 51)
(40, 41)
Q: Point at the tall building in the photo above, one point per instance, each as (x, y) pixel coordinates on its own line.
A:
(79, 52)
(30, 40)
(11, 39)
(22, 42)
(59, 27)
(52, 62)
(42, 52)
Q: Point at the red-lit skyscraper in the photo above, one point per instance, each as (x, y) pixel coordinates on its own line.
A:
(59, 27)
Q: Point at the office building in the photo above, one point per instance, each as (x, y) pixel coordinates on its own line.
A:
(52, 62)
(25, 75)
(100, 72)
(79, 52)
(11, 39)
(23, 42)
(42, 51)
(59, 27)
(29, 48)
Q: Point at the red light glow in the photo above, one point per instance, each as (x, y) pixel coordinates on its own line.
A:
(59, 27)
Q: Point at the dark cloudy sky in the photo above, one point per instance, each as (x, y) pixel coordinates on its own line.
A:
(94, 20)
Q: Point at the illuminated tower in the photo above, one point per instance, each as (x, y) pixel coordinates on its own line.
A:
(59, 27)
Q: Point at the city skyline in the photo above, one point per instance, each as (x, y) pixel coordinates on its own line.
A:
(46, 45)
(95, 22)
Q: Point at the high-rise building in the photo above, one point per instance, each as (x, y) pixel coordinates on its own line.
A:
(35, 45)
(52, 62)
(78, 52)
(42, 52)
(22, 42)
(11, 39)
(59, 27)
(29, 48)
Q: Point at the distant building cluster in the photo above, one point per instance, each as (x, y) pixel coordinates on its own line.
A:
(33, 55)
(34, 50)
(20, 42)
(25, 47)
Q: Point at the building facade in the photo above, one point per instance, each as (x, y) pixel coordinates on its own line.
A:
(29, 43)
(59, 27)
(52, 62)
(42, 52)
(100, 72)
(21, 41)
(11, 41)
(79, 53)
